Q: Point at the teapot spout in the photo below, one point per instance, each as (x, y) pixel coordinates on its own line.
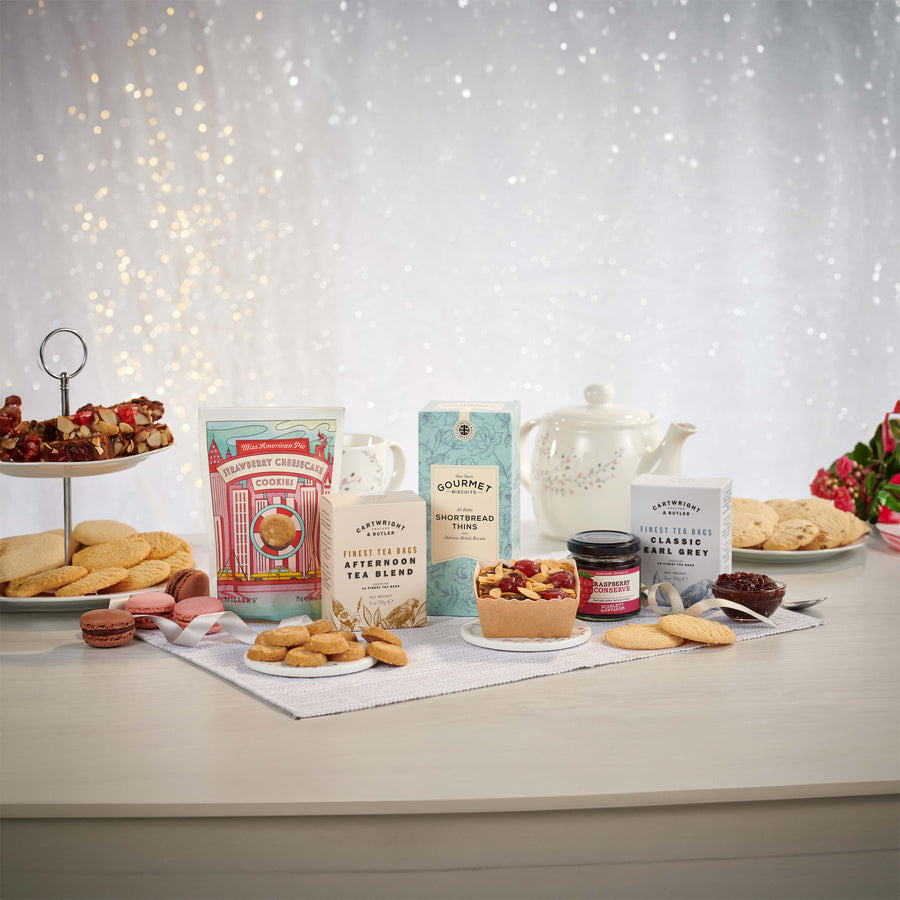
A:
(666, 458)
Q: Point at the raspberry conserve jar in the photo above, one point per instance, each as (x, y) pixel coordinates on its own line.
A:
(609, 568)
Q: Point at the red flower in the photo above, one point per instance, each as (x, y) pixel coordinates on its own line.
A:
(843, 500)
(843, 467)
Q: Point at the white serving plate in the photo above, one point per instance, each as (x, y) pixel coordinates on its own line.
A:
(328, 670)
(77, 469)
(49, 603)
(792, 556)
(471, 632)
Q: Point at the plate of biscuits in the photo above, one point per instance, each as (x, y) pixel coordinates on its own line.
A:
(316, 650)
(107, 560)
(784, 530)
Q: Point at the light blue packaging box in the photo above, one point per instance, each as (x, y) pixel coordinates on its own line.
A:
(469, 477)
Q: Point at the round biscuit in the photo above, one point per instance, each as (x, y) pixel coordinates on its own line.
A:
(101, 531)
(320, 626)
(180, 559)
(277, 531)
(328, 643)
(162, 543)
(750, 530)
(638, 636)
(754, 507)
(92, 582)
(28, 554)
(779, 504)
(789, 534)
(387, 653)
(303, 658)
(286, 636)
(145, 574)
(832, 522)
(117, 554)
(32, 585)
(693, 628)
(351, 654)
(266, 653)
(379, 634)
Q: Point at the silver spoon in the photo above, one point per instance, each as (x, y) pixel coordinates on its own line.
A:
(801, 604)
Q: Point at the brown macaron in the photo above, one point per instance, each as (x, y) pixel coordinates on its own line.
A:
(188, 583)
(107, 627)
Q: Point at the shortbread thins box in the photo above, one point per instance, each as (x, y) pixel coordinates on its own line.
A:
(373, 560)
(685, 529)
(469, 478)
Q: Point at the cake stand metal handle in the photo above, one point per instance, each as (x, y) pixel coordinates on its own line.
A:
(64, 378)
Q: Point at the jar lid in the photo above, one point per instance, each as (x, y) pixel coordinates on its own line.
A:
(601, 410)
(603, 543)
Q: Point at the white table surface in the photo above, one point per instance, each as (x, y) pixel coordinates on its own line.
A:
(809, 715)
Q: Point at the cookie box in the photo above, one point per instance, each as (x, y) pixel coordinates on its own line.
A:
(528, 615)
(373, 560)
(469, 478)
(685, 529)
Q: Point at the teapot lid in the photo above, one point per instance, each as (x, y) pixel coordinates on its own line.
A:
(600, 410)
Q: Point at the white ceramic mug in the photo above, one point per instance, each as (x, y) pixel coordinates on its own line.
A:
(364, 462)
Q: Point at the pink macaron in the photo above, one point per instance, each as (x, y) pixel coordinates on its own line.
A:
(151, 603)
(187, 610)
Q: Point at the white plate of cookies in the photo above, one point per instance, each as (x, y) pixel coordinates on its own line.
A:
(783, 530)
(108, 560)
(316, 650)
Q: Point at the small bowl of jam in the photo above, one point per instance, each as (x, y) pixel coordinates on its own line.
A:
(757, 592)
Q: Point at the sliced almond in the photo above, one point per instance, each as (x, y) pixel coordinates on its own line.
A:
(531, 595)
(496, 593)
(104, 427)
(140, 419)
(84, 431)
(125, 428)
(64, 425)
(108, 416)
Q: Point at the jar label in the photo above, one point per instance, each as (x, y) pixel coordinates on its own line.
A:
(609, 593)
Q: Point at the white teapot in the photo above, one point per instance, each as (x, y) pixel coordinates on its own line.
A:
(585, 458)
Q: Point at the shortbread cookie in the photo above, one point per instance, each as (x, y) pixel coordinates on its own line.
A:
(387, 653)
(32, 585)
(754, 507)
(353, 653)
(789, 534)
(180, 559)
(277, 531)
(331, 642)
(320, 626)
(379, 634)
(94, 581)
(833, 524)
(641, 637)
(300, 656)
(288, 636)
(28, 554)
(750, 530)
(116, 554)
(145, 574)
(101, 531)
(693, 628)
(266, 653)
(162, 543)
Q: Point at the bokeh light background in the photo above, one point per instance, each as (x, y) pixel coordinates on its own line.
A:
(376, 203)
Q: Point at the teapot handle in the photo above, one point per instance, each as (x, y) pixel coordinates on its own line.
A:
(525, 469)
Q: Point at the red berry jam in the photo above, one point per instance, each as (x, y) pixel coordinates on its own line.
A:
(757, 592)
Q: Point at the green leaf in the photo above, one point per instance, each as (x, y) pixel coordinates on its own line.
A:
(860, 454)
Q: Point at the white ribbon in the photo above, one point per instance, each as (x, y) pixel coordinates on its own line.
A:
(695, 609)
(196, 629)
